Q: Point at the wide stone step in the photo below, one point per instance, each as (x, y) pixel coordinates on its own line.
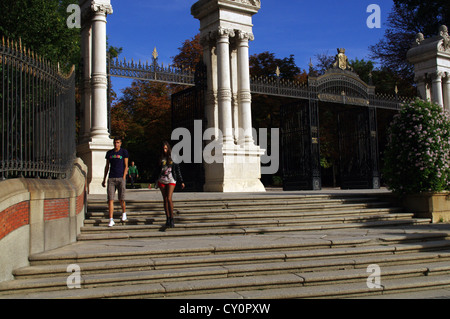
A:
(149, 211)
(340, 290)
(178, 247)
(234, 221)
(330, 281)
(159, 217)
(240, 258)
(162, 231)
(294, 285)
(239, 202)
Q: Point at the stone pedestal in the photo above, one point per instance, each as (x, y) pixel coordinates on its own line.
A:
(234, 169)
(435, 206)
(225, 31)
(93, 155)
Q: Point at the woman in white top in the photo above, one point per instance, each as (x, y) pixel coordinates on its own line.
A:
(169, 175)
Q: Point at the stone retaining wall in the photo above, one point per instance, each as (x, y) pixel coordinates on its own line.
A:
(37, 215)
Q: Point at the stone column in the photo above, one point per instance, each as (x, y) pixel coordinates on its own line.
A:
(209, 59)
(436, 80)
(224, 84)
(422, 87)
(245, 97)
(446, 89)
(99, 80)
(86, 52)
(231, 167)
(96, 141)
(234, 93)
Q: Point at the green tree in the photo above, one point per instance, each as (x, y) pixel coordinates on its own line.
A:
(42, 27)
(265, 64)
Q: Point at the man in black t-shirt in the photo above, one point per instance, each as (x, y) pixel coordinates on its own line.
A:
(117, 165)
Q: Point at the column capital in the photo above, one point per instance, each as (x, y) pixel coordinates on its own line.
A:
(447, 76)
(244, 36)
(101, 8)
(437, 75)
(222, 32)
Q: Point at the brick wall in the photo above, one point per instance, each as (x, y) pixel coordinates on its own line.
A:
(80, 202)
(14, 217)
(56, 208)
(18, 215)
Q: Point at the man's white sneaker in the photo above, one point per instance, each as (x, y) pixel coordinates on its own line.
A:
(124, 217)
(111, 223)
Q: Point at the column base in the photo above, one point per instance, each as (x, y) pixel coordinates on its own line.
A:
(93, 154)
(237, 169)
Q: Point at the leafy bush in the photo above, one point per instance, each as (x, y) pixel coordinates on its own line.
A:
(417, 156)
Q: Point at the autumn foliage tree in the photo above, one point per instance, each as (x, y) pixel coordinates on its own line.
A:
(142, 118)
(190, 53)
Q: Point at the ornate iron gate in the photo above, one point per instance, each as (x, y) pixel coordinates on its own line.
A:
(188, 106)
(358, 148)
(300, 146)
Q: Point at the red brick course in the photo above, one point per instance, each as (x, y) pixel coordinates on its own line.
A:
(80, 203)
(18, 215)
(56, 208)
(14, 217)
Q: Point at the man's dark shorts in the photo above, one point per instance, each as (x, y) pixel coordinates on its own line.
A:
(116, 183)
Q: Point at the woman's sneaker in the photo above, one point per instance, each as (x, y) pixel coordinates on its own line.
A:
(124, 217)
(111, 223)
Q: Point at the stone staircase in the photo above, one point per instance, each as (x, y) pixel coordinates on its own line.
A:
(261, 246)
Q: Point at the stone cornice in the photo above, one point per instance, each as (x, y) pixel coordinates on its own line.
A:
(204, 7)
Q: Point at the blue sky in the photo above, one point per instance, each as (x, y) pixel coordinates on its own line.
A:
(284, 27)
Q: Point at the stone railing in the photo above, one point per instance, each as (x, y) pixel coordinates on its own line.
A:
(37, 215)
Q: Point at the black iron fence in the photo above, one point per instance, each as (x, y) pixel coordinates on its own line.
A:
(37, 115)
